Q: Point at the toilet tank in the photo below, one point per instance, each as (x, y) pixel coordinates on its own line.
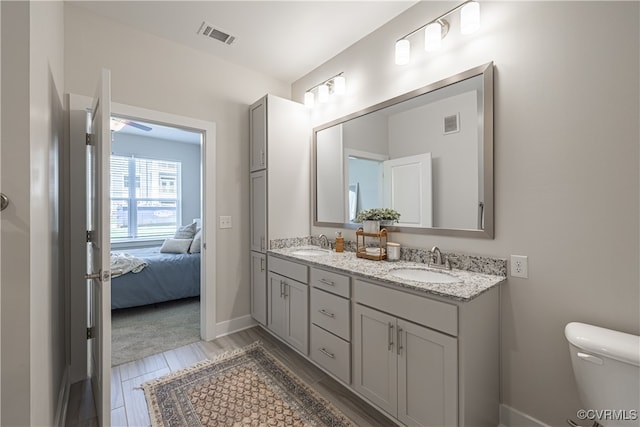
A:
(606, 365)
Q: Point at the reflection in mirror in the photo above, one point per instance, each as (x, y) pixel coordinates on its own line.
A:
(427, 154)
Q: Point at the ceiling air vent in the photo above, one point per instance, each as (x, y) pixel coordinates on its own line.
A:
(210, 31)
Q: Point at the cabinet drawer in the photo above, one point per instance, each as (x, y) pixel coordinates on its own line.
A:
(422, 310)
(332, 353)
(331, 312)
(289, 269)
(331, 282)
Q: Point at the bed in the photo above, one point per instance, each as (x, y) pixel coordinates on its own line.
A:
(166, 277)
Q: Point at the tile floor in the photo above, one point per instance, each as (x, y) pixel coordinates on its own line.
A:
(129, 408)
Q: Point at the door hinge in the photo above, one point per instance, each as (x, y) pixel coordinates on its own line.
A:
(89, 140)
(90, 235)
(91, 332)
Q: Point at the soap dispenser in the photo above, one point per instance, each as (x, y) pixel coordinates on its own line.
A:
(339, 242)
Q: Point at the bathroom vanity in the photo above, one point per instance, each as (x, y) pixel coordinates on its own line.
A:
(425, 353)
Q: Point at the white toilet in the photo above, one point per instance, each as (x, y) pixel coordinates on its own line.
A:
(606, 365)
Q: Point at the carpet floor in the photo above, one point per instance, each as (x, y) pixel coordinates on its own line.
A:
(246, 387)
(139, 332)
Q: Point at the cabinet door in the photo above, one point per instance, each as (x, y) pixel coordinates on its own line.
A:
(427, 376)
(297, 324)
(258, 135)
(259, 211)
(259, 287)
(276, 308)
(374, 357)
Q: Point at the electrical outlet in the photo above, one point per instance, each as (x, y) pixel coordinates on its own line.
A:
(225, 222)
(519, 266)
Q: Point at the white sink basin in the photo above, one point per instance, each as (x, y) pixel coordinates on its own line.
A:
(311, 252)
(427, 276)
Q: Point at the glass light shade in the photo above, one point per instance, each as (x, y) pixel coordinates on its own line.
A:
(403, 52)
(432, 37)
(309, 99)
(339, 85)
(323, 93)
(470, 18)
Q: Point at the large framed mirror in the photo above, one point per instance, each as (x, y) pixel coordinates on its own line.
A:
(427, 154)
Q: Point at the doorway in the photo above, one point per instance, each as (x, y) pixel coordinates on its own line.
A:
(78, 105)
(156, 203)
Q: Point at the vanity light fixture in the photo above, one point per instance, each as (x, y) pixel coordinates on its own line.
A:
(437, 29)
(323, 92)
(334, 85)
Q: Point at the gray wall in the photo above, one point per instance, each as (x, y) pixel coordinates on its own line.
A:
(162, 149)
(34, 340)
(566, 169)
(153, 73)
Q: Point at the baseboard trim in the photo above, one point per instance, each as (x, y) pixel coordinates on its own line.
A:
(63, 398)
(234, 325)
(511, 417)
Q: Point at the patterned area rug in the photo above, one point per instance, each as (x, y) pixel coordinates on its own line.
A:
(246, 387)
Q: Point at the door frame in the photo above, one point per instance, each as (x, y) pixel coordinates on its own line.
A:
(77, 105)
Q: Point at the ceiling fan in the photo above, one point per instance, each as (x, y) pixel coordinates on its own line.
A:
(118, 123)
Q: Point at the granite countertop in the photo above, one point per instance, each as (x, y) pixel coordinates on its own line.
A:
(471, 284)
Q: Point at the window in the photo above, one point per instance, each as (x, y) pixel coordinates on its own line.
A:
(151, 207)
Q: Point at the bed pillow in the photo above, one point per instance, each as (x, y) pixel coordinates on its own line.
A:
(186, 232)
(175, 246)
(196, 243)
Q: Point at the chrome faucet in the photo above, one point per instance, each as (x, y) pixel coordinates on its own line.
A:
(324, 241)
(436, 260)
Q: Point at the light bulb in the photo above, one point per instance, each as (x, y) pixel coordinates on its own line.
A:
(323, 93)
(339, 85)
(403, 52)
(470, 18)
(309, 99)
(432, 37)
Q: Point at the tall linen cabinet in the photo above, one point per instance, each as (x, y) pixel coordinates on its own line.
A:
(280, 149)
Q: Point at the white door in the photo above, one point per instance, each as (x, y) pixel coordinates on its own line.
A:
(99, 248)
(407, 189)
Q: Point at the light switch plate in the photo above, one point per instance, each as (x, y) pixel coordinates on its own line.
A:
(225, 222)
(520, 266)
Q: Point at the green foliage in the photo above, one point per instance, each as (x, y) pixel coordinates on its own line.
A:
(378, 214)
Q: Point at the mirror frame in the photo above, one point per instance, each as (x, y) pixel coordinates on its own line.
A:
(486, 71)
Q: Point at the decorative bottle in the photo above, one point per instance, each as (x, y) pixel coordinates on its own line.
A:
(339, 242)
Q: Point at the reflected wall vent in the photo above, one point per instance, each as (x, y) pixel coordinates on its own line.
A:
(210, 31)
(452, 124)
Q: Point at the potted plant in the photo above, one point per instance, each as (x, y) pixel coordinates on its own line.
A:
(372, 218)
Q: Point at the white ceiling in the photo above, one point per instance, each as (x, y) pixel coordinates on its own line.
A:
(283, 39)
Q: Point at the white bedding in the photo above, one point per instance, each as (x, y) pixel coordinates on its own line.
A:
(126, 263)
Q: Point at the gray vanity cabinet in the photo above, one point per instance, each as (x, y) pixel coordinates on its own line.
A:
(258, 191)
(331, 322)
(288, 310)
(408, 370)
(258, 135)
(259, 287)
(279, 146)
(288, 302)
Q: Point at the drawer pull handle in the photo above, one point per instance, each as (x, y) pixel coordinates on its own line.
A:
(326, 353)
(326, 313)
(390, 346)
(400, 340)
(327, 282)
